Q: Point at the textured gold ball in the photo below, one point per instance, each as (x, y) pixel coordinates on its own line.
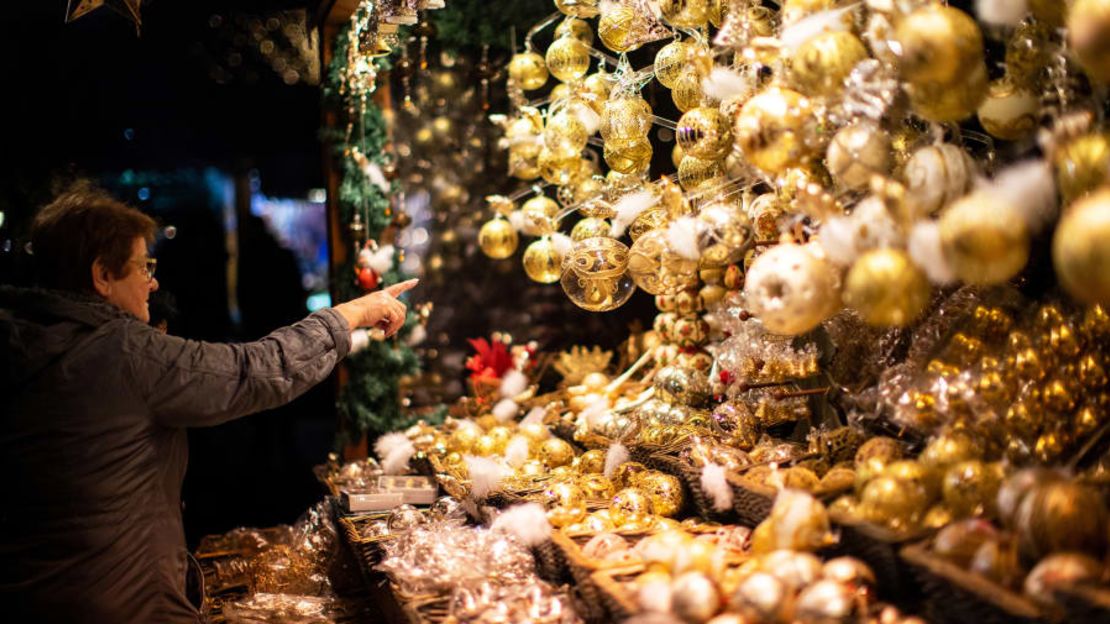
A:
(791, 289)
(939, 45)
(577, 28)
(685, 13)
(626, 118)
(584, 9)
(670, 60)
(971, 487)
(595, 274)
(628, 156)
(497, 238)
(949, 448)
(1009, 112)
(705, 133)
(1089, 37)
(590, 227)
(555, 452)
(774, 129)
(886, 288)
(657, 269)
(565, 132)
(1082, 165)
(983, 239)
(1081, 249)
(538, 214)
(664, 491)
(567, 58)
(893, 503)
(543, 262)
(950, 102)
(857, 153)
(528, 70)
(617, 29)
(821, 64)
(687, 92)
(630, 506)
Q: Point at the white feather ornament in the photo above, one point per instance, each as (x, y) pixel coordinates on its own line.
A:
(516, 219)
(388, 442)
(714, 483)
(563, 243)
(723, 84)
(505, 410)
(513, 383)
(527, 522)
(837, 237)
(516, 451)
(630, 206)
(374, 173)
(594, 411)
(801, 31)
(614, 457)
(589, 118)
(1001, 12)
(396, 462)
(485, 475)
(925, 251)
(682, 236)
(534, 416)
(382, 259)
(1031, 188)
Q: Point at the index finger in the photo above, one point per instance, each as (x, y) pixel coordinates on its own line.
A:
(404, 286)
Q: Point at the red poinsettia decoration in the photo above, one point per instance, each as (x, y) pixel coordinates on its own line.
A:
(491, 361)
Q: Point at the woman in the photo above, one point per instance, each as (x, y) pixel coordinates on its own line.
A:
(93, 408)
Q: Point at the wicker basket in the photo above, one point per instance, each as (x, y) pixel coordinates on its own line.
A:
(751, 501)
(879, 548)
(955, 595)
(619, 603)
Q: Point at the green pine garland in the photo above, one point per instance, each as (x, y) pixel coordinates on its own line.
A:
(472, 23)
(368, 403)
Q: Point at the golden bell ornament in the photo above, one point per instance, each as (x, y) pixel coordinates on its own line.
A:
(583, 9)
(555, 452)
(626, 118)
(577, 28)
(791, 289)
(1089, 37)
(564, 130)
(497, 238)
(657, 269)
(950, 102)
(936, 175)
(568, 58)
(1081, 249)
(775, 128)
(1009, 112)
(528, 70)
(697, 173)
(857, 153)
(538, 213)
(687, 92)
(886, 288)
(590, 227)
(970, 488)
(821, 64)
(630, 506)
(618, 28)
(664, 491)
(685, 13)
(893, 503)
(983, 239)
(704, 132)
(939, 44)
(543, 262)
(595, 274)
(628, 156)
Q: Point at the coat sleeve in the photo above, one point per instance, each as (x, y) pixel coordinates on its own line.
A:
(188, 383)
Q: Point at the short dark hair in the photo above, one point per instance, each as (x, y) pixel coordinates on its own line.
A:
(79, 226)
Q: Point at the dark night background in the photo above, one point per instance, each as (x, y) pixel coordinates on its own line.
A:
(92, 99)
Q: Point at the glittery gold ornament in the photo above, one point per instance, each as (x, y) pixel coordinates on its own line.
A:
(950, 102)
(971, 487)
(829, 602)
(949, 448)
(774, 129)
(687, 92)
(597, 486)
(565, 130)
(704, 132)
(791, 289)
(595, 274)
(558, 163)
(538, 213)
(857, 153)
(670, 60)
(657, 269)
(1081, 249)
(628, 155)
(984, 240)
(630, 506)
(556, 452)
(886, 288)
(695, 173)
(664, 491)
(542, 261)
(528, 70)
(567, 58)
(595, 90)
(1082, 165)
(626, 117)
(584, 9)
(913, 471)
(590, 227)
(1009, 112)
(821, 64)
(685, 13)
(1089, 37)
(577, 28)
(617, 28)
(725, 233)
(497, 238)
(762, 597)
(893, 503)
(939, 44)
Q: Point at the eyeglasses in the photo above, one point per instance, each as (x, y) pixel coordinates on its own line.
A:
(147, 266)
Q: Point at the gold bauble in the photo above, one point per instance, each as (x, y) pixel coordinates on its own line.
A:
(725, 233)
(696, 173)
(532, 468)
(595, 274)
(1089, 37)
(584, 9)
(535, 432)
(1060, 515)
(523, 167)
(591, 462)
(566, 503)
(1009, 112)
(829, 602)
(857, 153)
(1081, 249)
(948, 449)
(821, 64)
(893, 503)
(1082, 165)
(595, 90)
(497, 238)
(971, 487)
(687, 92)
(886, 288)
(762, 597)
(617, 29)
(837, 479)
(704, 132)
(670, 61)
(528, 70)
(577, 28)
(913, 471)
(800, 478)
(555, 452)
(630, 506)
(463, 439)
(625, 118)
(664, 491)
(657, 269)
(775, 128)
(685, 13)
(881, 448)
(950, 102)
(564, 130)
(628, 155)
(538, 213)
(791, 289)
(939, 44)
(567, 58)
(558, 164)
(936, 517)
(983, 239)
(628, 474)
(543, 262)
(590, 227)
(597, 486)
(1061, 571)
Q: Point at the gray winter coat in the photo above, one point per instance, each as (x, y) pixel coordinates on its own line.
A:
(93, 406)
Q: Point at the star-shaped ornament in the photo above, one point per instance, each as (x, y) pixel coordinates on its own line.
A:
(127, 8)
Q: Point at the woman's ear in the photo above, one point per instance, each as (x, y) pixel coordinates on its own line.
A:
(101, 278)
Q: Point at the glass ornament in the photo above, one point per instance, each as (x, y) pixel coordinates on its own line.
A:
(595, 274)
(497, 238)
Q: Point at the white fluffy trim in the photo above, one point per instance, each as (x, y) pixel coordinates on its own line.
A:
(563, 243)
(614, 457)
(714, 483)
(516, 451)
(1030, 188)
(536, 415)
(382, 259)
(723, 84)
(516, 219)
(505, 410)
(388, 442)
(594, 411)
(630, 206)
(398, 452)
(925, 251)
(528, 523)
(513, 383)
(485, 475)
(838, 238)
(374, 173)
(801, 31)
(682, 236)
